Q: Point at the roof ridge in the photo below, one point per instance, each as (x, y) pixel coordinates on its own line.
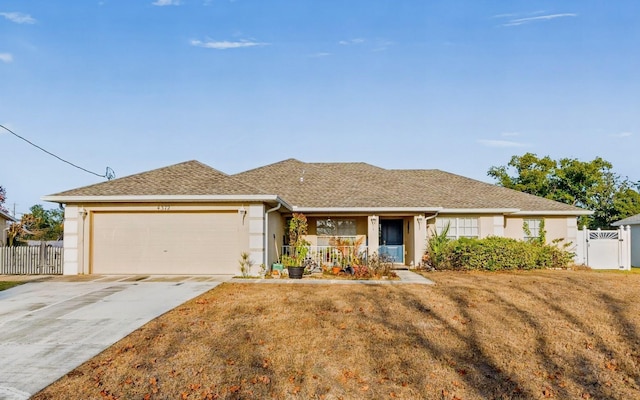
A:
(348, 163)
(270, 165)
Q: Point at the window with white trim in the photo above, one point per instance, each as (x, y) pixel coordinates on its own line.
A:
(458, 227)
(328, 228)
(531, 228)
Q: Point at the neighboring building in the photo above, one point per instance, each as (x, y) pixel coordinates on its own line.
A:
(634, 223)
(5, 221)
(189, 218)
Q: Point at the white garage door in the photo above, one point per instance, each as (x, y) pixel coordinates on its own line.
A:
(166, 243)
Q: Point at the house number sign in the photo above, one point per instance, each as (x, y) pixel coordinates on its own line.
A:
(164, 207)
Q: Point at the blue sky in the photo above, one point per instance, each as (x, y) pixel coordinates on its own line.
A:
(453, 85)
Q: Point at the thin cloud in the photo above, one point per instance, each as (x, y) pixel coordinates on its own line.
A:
(320, 55)
(510, 134)
(351, 41)
(162, 3)
(514, 15)
(621, 134)
(18, 17)
(225, 45)
(6, 58)
(541, 18)
(501, 143)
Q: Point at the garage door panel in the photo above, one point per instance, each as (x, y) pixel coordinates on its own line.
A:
(166, 243)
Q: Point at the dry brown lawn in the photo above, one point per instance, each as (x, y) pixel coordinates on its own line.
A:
(545, 334)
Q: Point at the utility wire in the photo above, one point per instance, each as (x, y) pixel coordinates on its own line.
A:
(109, 174)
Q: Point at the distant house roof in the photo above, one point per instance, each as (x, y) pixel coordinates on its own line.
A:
(4, 215)
(632, 220)
(316, 186)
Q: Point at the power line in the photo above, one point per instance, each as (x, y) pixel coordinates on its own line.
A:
(109, 174)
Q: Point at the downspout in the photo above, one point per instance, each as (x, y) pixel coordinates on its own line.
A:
(427, 219)
(431, 217)
(426, 224)
(265, 257)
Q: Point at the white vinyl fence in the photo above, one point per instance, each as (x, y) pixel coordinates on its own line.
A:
(604, 249)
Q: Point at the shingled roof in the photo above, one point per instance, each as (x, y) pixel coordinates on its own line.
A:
(6, 216)
(632, 220)
(324, 185)
(361, 185)
(190, 178)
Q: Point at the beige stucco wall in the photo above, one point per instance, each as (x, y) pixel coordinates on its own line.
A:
(74, 241)
(255, 217)
(557, 227)
(418, 239)
(409, 239)
(276, 228)
(77, 227)
(373, 238)
(513, 227)
(561, 228)
(564, 228)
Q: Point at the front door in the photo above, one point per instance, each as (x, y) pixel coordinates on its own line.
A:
(391, 239)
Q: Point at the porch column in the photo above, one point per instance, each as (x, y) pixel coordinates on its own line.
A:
(256, 234)
(73, 240)
(372, 233)
(419, 238)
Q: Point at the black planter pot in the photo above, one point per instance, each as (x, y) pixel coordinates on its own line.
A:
(295, 272)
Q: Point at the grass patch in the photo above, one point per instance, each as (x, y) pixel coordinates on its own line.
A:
(537, 334)
(4, 285)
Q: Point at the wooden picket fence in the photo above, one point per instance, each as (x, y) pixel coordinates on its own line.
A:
(31, 260)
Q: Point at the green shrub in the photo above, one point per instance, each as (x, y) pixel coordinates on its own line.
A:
(437, 248)
(499, 253)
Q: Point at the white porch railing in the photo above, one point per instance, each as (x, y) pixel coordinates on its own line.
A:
(332, 255)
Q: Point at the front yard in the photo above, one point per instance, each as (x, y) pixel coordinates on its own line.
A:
(540, 334)
(4, 285)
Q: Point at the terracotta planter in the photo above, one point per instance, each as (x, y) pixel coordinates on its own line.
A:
(336, 270)
(295, 272)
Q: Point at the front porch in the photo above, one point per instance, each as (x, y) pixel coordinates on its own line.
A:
(340, 240)
(329, 256)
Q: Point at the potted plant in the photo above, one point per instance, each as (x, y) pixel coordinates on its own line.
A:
(298, 246)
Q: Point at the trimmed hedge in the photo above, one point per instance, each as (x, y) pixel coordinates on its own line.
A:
(499, 253)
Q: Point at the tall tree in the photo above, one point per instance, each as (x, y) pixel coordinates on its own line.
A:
(589, 184)
(3, 198)
(41, 224)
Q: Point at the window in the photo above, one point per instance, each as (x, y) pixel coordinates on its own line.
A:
(458, 227)
(328, 228)
(531, 228)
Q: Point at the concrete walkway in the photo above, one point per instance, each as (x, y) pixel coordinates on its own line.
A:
(406, 277)
(48, 328)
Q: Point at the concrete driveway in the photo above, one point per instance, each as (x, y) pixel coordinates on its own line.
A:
(47, 328)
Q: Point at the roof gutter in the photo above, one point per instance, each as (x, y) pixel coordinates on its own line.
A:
(365, 209)
(558, 213)
(167, 198)
(479, 210)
